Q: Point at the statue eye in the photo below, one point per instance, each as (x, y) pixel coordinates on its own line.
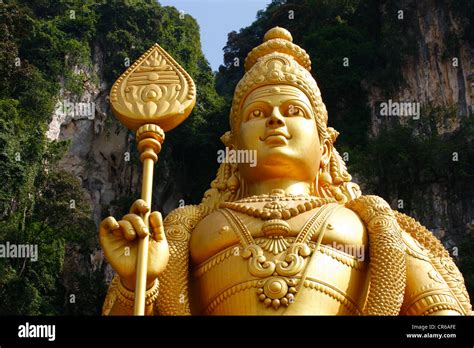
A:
(256, 114)
(295, 111)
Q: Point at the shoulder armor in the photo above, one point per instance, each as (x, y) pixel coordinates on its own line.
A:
(387, 255)
(178, 224)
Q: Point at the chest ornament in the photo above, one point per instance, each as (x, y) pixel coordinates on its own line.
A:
(278, 284)
(276, 205)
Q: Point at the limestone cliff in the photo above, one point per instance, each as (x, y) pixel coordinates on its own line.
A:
(438, 74)
(440, 69)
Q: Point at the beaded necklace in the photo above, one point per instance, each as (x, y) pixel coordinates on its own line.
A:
(276, 206)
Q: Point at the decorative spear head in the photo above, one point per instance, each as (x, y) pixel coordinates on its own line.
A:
(154, 95)
(154, 90)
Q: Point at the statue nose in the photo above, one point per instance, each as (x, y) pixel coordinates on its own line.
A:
(276, 119)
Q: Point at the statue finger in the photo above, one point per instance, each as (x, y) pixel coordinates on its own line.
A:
(128, 230)
(139, 207)
(118, 232)
(108, 225)
(156, 223)
(138, 225)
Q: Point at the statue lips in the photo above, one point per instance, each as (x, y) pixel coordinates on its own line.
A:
(276, 138)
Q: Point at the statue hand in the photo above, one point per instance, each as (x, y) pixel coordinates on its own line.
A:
(119, 240)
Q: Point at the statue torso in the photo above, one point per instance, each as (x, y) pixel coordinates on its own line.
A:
(228, 279)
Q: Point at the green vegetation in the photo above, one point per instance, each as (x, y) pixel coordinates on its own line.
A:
(402, 160)
(41, 42)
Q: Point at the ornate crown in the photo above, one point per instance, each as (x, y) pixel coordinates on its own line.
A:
(278, 61)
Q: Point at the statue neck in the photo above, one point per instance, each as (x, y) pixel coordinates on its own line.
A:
(290, 187)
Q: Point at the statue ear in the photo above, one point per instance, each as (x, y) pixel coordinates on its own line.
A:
(326, 152)
(328, 145)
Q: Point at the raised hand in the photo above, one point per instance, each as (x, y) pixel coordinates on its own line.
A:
(119, 240)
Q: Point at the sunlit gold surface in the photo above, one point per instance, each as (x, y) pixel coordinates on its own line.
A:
(155, 89)
(154, 95)
(279, 238)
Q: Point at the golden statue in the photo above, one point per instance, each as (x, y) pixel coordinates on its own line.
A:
(291, 235)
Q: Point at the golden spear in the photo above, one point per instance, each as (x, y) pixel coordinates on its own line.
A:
(152, 96)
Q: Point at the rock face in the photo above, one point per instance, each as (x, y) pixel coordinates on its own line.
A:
(95, 154)
(436, 74)
(439, 73)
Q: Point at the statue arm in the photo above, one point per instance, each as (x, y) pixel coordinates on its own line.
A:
(405, 253)
(173, 296)
(430, 265)
(426, 293)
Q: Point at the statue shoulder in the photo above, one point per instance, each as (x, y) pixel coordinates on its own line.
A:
(375, 211)
(368, 207)
(191, 214)
(180, 222)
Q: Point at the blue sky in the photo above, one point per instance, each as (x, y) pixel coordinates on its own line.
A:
(216, 19)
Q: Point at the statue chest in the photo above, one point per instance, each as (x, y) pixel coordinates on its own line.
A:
(312, 263)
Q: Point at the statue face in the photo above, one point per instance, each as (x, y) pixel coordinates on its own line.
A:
(278, 122)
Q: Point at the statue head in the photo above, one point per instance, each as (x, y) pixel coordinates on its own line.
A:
(277, 123)
(277, 111)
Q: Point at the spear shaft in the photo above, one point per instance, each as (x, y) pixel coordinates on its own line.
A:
(154, 95)
(149, 138)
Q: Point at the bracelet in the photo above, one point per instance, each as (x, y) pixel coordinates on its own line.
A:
(126, 297)
(152, 294)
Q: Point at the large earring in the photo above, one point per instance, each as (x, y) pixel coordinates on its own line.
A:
(324, 177)
(233, 182)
